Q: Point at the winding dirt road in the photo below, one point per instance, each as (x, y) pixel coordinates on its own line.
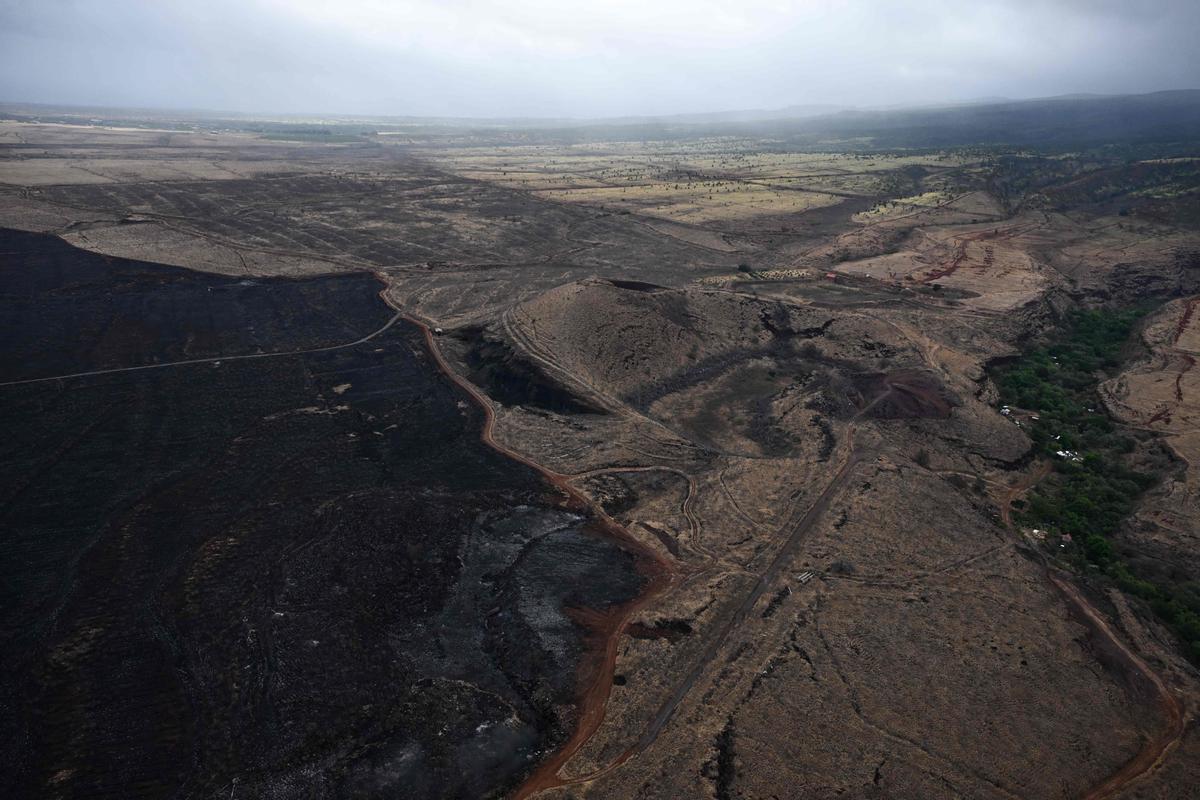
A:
(1158, 747)
(606, 628)
(547, 776)
(609, 628)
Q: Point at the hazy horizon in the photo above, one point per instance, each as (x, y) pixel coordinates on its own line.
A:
(747, 114)
(605, 59)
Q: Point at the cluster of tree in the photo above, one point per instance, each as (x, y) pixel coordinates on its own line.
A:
(1176, 604)
(1092, 490)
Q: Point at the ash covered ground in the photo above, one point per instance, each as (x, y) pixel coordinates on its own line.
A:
(304, 572)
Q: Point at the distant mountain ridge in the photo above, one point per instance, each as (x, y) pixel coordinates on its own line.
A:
(1052, 120)
(1062, 121)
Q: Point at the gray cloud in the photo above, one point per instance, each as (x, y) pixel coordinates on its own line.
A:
(604, 57)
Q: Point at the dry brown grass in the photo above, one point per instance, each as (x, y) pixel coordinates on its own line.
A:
(706, 181)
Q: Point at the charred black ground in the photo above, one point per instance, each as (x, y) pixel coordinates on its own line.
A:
(303, 573)
(513, 379)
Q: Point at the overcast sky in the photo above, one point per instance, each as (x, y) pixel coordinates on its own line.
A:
(593, 58)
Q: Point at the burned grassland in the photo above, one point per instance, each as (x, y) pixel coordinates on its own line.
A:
(287, 561)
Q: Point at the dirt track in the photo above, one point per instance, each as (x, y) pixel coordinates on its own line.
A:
(1156, 749)
(547, 777)
(608, 627)
(212, 360)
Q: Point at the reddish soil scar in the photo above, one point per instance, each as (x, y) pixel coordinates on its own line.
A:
(605, 628)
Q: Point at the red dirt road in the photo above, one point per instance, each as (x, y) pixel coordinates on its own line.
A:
(605, 629)
(1156, 749)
